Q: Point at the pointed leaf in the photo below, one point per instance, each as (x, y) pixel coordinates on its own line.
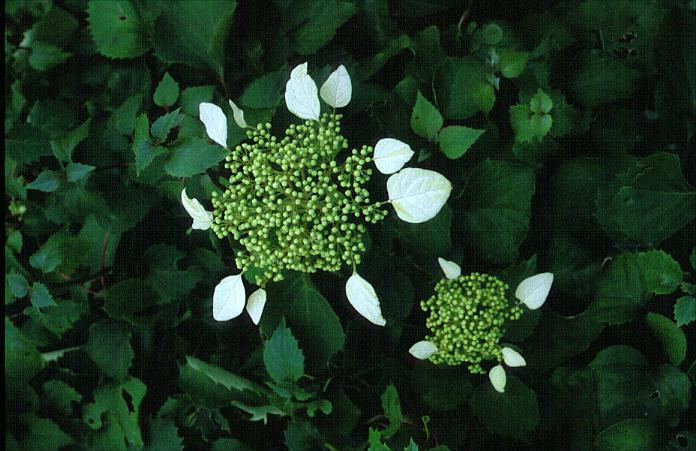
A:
(451, 269)
(215, 122)
(418, 194)
(238, 115)
(391, 155)
(202, 219)
(498, 378)
(255, 304)
(301, 94)
(533, 291)
(337, 89)
(363, 298)
(423, 349)
(228, 298)
(513, 358)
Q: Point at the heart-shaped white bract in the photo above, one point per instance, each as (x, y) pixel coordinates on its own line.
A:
(423, 349)
(533, 291)
(451, 269)
(391, 155)
(238, 115)
(255, 304)
(229, 298)
(301, 94)
(513, 358)
(363, 298)
(215, 122)
(498, 378)
(337, 90)
(418, 194)
(202, 219)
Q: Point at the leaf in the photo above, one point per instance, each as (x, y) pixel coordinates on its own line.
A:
(301, 435)
(124, 116)
(117, 28)
(463, 89)
(534, 290)
(215, 122)
(130, 300)
(109, 348)
(426, 120)
(78, 171)
(392, 410)
(40, 296)
(255, 304)
(363, 298)
(669, 335)
(238, 115)
(450, 269)
(629, 282)
(229, 298)
(441, 387)
(512, 63)
(142, 145)
(428, 239)
(60, 396)
(497, 200)
(322, 22)
(634, 434)
(47, 182)
(167, 91)
(337, 89)
(684, 310)
(193, 156)
(163, 125)
(499, 412)
(423, 349)
(47, 259)
(455, 140)
(215, 386)
(391, 155)
(648, 202)
(164, 436)
(301, 94)
(417, 195)
(44, 434)
(194, 33)
(193, 96)
(46, 56)
(603, 78)
(18, 285)
(283, 357)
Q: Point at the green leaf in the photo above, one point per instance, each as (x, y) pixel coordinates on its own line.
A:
(392, 410)
(603, 78)
(301, 435)
(497, 209)
(229, 444)
(264, 92)
(18, 285)
(670, 336)
(59, 397)
(512, 63)
(426, 120)
(192, 96)
(47, 182)
(131, 300)
(634, 434)
(431, 238)
(322, 22)
(164, 436)
(167, 91)
(500, 412)
(463, 89)
(283, 357)
(455, 140)
(64, 146)
(441, 387)
(46, 56)
(44, 434)
(629, 282)
(40, 296)
(193, 156)
(47, 259)
(124, 116)
(685, 310)
(78, 171)
(194, 33)
(109, 348)
(164, 124)
(375, 441)
(647, 203)
(117, 28)
(142, 147)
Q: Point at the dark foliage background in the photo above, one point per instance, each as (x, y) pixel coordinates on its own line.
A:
(109, 339)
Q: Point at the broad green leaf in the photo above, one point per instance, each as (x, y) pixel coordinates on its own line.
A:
(431, 238)
(109, 348)
(426, 120)
(124, 116)
(40, 296)
(322, 22)
(455, 140)
(497, 209)
(634, 434)
(512, 63)
(193, 156)
(215, 386)
(60, 396)
(44, 434)
(264, 92)
(117, 28)
(603, 78)
(194, 33)
(47, 182)
(164, 124)
(462, 88)
(685, 310)
(392, 410)
(167, 91)
(78, 171)
(283, 357)
(669, 335)
(46, 56)
(193, 96)
(18, 285)
(130, 300)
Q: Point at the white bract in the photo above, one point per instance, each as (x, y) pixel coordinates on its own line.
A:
(418, 194)
(238, 115)
(215, 122)
(363, 298)
(201, 217)
(337, 90)
(451, 269)
(498, 378)
(513, 358)
(391, 155)
(533, 291)
(255, 304)
(301, 94)
(423, 349)
(228, 298)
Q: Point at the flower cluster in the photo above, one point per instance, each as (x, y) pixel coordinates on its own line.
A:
(466, 320)
(300, 203)
(292, 204)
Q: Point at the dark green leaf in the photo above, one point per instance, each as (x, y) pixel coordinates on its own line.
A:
(167, 92)
(109, 348)
(685, 310)
(48, 181)
(193, 156)
(426, 120)
(283, 357)
(670, 336)
(455, 140)
(117, 28)
(40, 296)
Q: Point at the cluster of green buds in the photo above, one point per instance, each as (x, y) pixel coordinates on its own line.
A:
(467, 316)
(292, 204)
(300, 202)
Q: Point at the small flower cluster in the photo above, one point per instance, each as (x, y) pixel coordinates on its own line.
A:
(291, 204)
(467, 317)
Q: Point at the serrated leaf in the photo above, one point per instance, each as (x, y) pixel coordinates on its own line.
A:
(40, 296)
(685, 310)
(193, 156)
(167, 91)
(426, 120)
(117, 28)
(283, 357)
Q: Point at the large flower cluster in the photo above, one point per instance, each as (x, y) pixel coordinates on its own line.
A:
(466, 319)
(292, 203)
